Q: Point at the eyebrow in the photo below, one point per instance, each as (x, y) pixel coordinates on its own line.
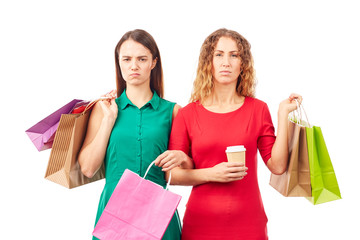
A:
(229, 51)
(143, 56)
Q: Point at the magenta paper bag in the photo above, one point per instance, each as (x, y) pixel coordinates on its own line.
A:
(137, 209)
(42, 134)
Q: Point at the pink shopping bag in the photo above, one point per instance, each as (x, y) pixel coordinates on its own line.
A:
(137, 209)
(42, 134)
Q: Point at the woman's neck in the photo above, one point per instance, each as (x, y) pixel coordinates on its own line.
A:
(223, 99)
(224, 95)
(139, 95)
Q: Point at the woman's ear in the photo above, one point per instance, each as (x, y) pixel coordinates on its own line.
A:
(153, 63)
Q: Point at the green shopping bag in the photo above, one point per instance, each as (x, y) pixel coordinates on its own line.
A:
(324, 186)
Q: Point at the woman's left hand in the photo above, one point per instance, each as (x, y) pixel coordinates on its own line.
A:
(289, 104)
(171, 159)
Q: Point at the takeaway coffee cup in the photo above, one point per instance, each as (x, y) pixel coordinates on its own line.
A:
(236, 154)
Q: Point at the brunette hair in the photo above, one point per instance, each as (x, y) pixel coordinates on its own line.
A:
(203, 84)
(156, 76)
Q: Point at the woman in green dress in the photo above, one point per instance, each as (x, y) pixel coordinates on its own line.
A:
(130, 131)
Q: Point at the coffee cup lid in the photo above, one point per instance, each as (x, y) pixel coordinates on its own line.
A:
(238, 148)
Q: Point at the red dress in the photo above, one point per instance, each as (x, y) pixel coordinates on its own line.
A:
(224, 210)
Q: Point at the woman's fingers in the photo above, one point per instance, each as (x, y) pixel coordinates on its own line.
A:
(229, 171)
(170, 165)
(296, 96)
(103, 105)
(109, 108)
(169, 159)
(288, 105)
(240, 172)
(111, 94)
(236, 176)
(237, 169)
(158, 160)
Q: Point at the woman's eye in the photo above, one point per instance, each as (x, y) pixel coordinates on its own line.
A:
(142, 59)
(218, 55)
(126, 59)
(235, 55)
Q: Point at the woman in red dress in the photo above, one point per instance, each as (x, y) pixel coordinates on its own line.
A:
(225, 202)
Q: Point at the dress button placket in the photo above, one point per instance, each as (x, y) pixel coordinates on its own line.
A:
(139, 115)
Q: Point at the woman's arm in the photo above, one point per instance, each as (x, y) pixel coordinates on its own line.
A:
(277, 164)
(174, 158)
(100, 125)
(223, 172)
(175, 111)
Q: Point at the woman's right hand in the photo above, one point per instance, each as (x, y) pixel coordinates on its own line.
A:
(227, 172)
(109, 106)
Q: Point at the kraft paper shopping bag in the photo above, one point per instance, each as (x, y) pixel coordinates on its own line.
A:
(63, 167)
(295, 182)
(42, 133)
(137, 209)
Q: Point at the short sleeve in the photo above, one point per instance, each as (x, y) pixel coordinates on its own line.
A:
(266, 137)
(179, 137)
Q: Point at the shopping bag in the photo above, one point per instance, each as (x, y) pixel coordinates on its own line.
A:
(295, 182)
(137, 209)
(63, 167)
(42, 133)
(324, 184)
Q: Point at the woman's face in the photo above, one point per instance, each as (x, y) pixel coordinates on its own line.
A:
(226, 61)
(136, 63)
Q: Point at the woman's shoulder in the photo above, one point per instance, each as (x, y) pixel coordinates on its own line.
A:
(255, 102)
(166, 103)
(189, 108)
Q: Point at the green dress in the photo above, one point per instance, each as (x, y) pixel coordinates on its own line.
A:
(137, 138)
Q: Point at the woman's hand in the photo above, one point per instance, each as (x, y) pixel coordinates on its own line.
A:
(227, 172)
(98, 131)
(112, 94)
(277, 164)
(109, 106)
(173, 158)
(289, 104)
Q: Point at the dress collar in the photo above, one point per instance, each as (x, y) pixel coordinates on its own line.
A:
(125, 101)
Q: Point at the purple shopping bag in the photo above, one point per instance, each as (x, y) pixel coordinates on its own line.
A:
(42, 134)
(137, 209)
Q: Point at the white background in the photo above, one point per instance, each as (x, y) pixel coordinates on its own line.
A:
(54, 51)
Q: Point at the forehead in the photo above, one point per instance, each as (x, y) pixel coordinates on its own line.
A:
(226, 44)
(133, 48)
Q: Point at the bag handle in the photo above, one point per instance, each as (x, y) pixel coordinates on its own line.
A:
(300, 109)
(151, 164)
(296, 114)
(303, 109)
(92, 103)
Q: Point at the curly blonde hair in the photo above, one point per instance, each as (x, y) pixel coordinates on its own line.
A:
(204, 85)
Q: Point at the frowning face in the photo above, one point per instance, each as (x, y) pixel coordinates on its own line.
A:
(226, 61)
(136, 63)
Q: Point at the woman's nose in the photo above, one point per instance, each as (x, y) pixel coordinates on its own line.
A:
(226, 62)
(134, 65)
